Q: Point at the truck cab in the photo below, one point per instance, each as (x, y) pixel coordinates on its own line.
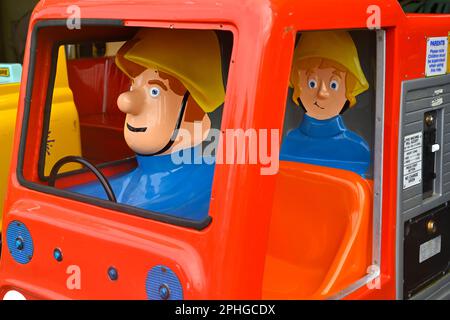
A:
(275, 227)
(65, 114)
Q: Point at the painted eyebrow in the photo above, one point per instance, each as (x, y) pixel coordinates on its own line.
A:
(159, 83)
(309, 72)
(337, 74)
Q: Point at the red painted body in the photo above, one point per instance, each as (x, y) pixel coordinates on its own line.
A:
(225, 260)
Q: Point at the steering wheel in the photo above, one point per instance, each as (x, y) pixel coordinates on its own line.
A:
(100, 176)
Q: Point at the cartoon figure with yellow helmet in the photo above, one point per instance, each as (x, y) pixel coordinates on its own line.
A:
(176, 80)
(326, 77)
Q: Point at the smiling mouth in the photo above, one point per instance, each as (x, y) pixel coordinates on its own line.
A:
(133, 129)
(318, 105)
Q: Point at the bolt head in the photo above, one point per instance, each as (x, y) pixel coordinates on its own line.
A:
(164, 292)
(20, 244)
(113, 274)
(57, 254)
(431, 227)
(429, 119)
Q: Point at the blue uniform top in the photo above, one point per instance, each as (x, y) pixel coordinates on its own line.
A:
(326, 143)
(159, 184)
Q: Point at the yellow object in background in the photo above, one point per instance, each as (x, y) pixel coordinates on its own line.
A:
(9, 97)
(64, 130)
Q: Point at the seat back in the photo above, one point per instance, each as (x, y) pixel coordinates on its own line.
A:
(92, 95)
(320, 238)
(96, 84)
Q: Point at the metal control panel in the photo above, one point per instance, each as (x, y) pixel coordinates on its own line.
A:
(423, 231)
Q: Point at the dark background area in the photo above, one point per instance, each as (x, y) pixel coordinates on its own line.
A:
(426, 6)
(14, 18)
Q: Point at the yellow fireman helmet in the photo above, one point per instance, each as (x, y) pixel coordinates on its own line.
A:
(336, 46)
(191, 56)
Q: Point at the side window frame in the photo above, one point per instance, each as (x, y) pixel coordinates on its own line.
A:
(374, 270)
(24, 135)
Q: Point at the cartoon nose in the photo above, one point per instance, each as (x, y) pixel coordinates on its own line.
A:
(323, 91)
(131, 101)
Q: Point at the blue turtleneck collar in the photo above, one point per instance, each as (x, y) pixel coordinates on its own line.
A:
(322, 128)
(327, 143)
(167, 163)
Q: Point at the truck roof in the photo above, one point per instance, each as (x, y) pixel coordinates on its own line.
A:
(348, 11)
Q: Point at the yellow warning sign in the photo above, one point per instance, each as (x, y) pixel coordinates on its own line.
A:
(4, 72)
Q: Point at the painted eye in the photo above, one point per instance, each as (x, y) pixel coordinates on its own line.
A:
(155, 92)
(334, 85)
(312, 84)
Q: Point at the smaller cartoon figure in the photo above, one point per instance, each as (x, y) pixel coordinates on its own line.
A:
(326, 77)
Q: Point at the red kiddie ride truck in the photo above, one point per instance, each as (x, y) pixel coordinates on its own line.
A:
(126, 223)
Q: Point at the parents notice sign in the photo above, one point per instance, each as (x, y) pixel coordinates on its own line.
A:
(436, 63)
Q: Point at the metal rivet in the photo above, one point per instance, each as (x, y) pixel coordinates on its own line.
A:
(431, 226)
(113, 274)
(57, 254)
(429, 119)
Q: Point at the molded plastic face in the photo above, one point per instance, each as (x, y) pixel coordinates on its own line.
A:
(152, 109)
(191, 56)
(334, 46)
(322, 92)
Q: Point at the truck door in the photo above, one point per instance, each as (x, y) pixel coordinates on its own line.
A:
(324, 233)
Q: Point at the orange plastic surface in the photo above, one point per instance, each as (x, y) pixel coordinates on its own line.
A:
(227, 259)
(320, 233)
